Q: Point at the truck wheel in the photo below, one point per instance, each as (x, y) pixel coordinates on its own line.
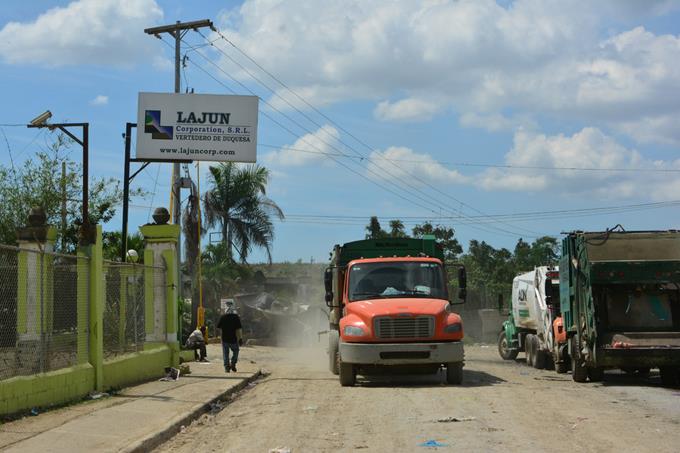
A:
(333, 341)
(529, 349)
(579, 372)
(561, 367)
(454, 373)
(669, 376)
(347, 373)
(504, 349)
(540, 357)
(596, 374)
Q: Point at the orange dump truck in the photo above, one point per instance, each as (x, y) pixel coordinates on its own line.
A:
(390, 310)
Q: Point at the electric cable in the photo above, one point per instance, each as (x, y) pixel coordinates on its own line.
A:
(371, 149)
(427, 200)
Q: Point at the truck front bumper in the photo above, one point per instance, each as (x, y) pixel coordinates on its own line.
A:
(401, 353)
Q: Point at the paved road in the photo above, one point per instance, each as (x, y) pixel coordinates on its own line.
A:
(501, 407)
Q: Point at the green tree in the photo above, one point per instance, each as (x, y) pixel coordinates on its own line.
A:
(39, 182)
(397, 229)
(545, 251)
(237, 202)
(112, 244)
(374, 230)
(444, 236)
(523, 257)
(490, 272)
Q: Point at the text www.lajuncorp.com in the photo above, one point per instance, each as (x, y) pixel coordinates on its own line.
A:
(192, 151)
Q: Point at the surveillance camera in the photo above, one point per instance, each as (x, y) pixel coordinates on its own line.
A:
(41, 119)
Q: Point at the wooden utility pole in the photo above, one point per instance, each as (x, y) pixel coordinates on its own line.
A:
(177, 31)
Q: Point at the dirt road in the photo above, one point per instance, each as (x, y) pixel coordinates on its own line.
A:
(502, 406)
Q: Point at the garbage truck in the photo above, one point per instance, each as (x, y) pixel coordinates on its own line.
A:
(534, 325)
(390, 310)
(620, 300)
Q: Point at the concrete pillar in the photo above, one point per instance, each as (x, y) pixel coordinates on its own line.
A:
(95, 303)
(34, 293)
(161, 244)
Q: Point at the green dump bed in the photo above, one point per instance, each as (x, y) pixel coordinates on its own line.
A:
(388, 247)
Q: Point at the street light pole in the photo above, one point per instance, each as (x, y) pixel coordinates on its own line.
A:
(86, 232)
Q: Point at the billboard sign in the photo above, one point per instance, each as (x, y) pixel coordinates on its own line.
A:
(213, 127)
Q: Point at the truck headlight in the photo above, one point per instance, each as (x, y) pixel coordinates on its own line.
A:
(453, 328)
(353, 331)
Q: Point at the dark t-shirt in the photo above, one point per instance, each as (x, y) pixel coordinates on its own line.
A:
(229, 323)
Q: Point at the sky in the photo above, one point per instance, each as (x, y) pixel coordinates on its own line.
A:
(484, 116)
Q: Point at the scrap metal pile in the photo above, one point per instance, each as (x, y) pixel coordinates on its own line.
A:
(274, 321)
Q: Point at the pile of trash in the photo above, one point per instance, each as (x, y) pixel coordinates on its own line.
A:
(277, 322)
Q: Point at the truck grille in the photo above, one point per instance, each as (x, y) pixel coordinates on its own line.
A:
(418, 327)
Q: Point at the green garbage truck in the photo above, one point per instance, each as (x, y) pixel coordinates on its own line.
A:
(620, 302)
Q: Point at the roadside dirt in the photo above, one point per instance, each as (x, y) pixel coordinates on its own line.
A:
(502, 406)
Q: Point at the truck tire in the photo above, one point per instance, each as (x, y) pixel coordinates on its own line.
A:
(540, 357)
(529, 349)
(454, 373)
(595, 374)
(348, 376)
(333, 341)
(561, 367)
(669, 376)
(504, 349)
(579, 372)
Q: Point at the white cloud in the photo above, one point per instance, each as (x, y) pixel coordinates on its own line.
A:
(103, 32)
(664, 129)
(400, 163)
(472, 56)
(495, 122)
(100, 100)
(163, 64)
(411, 109)
(308, 149)
(588, 148)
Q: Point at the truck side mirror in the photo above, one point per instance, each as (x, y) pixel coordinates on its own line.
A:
(328, 280)
(329, 299)
(462, 278)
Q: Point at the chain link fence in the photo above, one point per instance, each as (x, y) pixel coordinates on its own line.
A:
(127, 299)
(43, 327)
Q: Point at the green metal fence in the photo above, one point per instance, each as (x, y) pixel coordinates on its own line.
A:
(43, 311)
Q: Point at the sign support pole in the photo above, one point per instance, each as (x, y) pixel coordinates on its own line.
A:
(177, 31)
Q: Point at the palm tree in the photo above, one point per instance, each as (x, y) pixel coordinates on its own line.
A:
(237, 201)
(397, 229)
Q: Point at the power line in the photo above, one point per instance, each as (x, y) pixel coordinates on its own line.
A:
(469, 164)
(428, 198)
(340, 127)
(271, 118)
(523, 216)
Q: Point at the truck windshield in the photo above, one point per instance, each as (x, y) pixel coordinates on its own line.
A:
(640, 307)
(396, 279)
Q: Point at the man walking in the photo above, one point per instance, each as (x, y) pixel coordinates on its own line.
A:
(232, 336)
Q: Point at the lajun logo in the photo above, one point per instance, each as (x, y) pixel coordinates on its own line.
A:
(152, 125)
